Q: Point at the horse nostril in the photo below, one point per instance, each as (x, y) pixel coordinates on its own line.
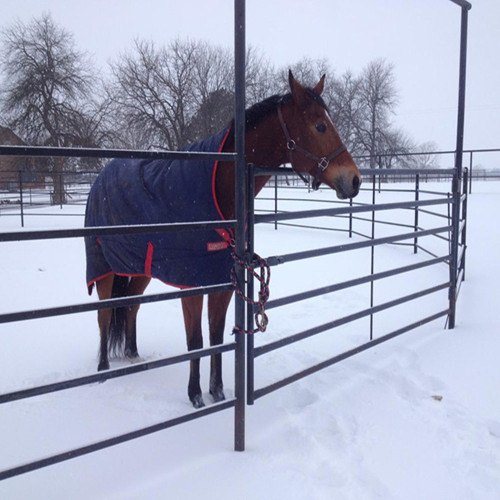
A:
(355, 183)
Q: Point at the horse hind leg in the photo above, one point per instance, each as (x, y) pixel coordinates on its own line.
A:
(137, 286)
(192, 308)
(217, 309)
(104, 287)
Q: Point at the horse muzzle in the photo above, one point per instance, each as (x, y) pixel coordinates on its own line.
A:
(347, 185)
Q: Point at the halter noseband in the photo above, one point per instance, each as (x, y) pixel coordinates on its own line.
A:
(322, 162)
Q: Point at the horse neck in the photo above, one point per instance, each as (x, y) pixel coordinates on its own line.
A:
(265, 145)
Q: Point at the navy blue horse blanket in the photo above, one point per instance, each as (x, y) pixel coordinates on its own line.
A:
(153, 192)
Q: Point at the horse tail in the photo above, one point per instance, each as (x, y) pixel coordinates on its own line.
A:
(116, 339)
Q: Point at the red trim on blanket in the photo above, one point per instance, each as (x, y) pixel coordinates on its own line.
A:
(90, 284)
(149, 260)
(227, 235)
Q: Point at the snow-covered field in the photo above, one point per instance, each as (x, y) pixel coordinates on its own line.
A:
(414, 418)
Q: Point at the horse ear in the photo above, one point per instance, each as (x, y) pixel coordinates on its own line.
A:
(320, 85)
(298, 91)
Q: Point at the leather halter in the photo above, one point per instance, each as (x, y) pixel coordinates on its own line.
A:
(322, 162)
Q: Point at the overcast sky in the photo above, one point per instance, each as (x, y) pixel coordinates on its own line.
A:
(420, 37)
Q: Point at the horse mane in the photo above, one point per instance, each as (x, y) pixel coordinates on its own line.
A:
(259, 111)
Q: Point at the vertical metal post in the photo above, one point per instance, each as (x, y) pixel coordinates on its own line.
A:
(250, 285)
(464, 218)
(372, 263)
(458, 166)
(379, 161)
(470, 172)
(275, 200)
(350, 219)
(240, 181)
(61, 190)
(21, 196)
(417, 192)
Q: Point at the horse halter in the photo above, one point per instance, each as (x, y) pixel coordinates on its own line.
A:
(322, 162)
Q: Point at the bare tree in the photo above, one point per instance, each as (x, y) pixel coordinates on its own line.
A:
(261, 80)
(346, 110)
(147, 95)
(378, 97)
(45, 81)
(156, 91)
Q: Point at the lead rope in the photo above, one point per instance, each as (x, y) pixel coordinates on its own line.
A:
(263, 276)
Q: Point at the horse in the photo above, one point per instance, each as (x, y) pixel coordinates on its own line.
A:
(291, 128)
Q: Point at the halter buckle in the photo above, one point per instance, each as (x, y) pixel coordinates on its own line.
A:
(323, 163)
(290, 144)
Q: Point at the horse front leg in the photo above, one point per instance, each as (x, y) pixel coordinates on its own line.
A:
(137, 286)
(192, 308)
(217, 309)
(104, 287)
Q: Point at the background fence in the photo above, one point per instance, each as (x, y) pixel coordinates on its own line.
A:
(19, 195)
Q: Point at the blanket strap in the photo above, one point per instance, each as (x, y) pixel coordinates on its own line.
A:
(251, 263)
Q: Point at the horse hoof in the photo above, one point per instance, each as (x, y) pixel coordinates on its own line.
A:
(103, 365)
(135, 359)
(198, 401)
(131, 353)
(217, 395)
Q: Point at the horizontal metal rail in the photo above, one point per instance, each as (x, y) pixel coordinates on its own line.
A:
(428, 252)
(383, 222)
(303, 226)
(44, 234)
(305, 214)
(277, 344)
(385, 172)
(116, 373)
(347, 354)
(112, 303)
(59, 152)
(107, 443)
(291, 299)
(435, 214)
(426, 191)
(318, 252)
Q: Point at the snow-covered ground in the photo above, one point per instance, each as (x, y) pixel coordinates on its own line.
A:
(415, 418)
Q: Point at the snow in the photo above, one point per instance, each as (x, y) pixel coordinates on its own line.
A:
(416, 417)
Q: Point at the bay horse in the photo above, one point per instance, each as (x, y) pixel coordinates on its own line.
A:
(291, 128)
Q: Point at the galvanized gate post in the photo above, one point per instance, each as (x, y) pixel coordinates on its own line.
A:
(240, 182)
(250, 284)
(465, 6)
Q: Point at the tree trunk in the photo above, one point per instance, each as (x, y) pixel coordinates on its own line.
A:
(58, 196)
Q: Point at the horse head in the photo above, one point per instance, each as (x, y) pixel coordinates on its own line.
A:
(314, 145)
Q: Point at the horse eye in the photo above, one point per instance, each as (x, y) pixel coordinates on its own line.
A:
(321, 127)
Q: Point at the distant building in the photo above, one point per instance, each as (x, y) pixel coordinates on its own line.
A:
(10, 166)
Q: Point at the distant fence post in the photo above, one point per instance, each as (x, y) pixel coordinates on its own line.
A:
(350, 219)
(417, 188)
(275, 201)
(21, 196)
(470, 172)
